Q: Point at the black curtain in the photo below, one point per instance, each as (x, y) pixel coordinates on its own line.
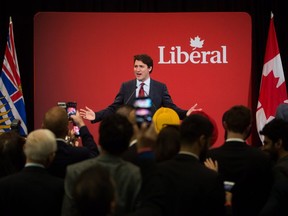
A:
(23, 12)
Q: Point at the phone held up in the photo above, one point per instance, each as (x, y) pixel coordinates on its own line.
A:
(143, 110)
(71, 108)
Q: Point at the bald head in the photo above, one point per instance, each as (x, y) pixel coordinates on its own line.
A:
(56, 120)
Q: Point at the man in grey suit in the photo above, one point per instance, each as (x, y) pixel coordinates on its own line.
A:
(157, 91)
(115, 132)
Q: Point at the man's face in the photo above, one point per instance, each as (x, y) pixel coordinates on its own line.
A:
(269, 147)
(141, 71)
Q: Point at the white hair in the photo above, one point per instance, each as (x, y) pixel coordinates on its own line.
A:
(40, 144)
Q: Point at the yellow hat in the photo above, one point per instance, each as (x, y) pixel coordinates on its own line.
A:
(165, 116)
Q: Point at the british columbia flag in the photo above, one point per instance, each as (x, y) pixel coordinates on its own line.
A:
(12, 105)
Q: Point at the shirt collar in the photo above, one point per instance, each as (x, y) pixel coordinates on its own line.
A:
(189, 153)
(34, 165)
(235, 139)
(147, 82)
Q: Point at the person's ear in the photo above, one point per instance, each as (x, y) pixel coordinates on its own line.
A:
(278, 144)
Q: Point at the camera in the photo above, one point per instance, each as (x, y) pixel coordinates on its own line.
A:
(143, 110)
(71, 109)
(15, 125)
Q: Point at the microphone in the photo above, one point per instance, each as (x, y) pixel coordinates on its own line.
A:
(131, 96)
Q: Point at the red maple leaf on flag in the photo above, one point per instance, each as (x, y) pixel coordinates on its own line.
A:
(271, 96)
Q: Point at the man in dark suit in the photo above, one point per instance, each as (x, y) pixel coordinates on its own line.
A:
(157, 91)
(33, 191)
(183, 185)
(56, 120)
(276, 144)
(248, 167)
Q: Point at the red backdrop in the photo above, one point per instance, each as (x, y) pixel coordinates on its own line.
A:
(203, 58)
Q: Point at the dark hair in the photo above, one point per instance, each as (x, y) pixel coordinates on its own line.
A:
(56, 120)
(94, 191)
(125, 110)
(12, 158)
(168, 143)
(115, 132)
(145, 59)
(276, 129)
(194, 126)
(238, 118)
(282, 112)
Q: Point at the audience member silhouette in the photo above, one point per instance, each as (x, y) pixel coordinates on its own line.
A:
(12, 158)
(94, 192)
(168, 143)
(183, 185)
(248, 167)
(282, 111)
(129, 112)
(33, 191)
(115, 132)
(276, 144)
(56, 120)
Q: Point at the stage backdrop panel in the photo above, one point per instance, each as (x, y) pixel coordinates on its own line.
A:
(203, 58)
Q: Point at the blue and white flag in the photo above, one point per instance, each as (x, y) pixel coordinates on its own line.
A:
(12, 105)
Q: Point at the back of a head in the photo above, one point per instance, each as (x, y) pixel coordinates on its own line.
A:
(12, 158)
(94, 192)
(276, 129)
(238, 118)
(39, 146)
(56, 120)
(115, 132)
(168, 143)
(282, 112)
(194, 126)
(128, 111)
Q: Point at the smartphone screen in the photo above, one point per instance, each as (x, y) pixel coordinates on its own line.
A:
(71, 111)
(71, 108)
(143, 110)
(228, 185)
(76, 130)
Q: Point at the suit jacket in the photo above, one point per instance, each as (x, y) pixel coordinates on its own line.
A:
(182, 186)
(278, 199)
(127, 94)
(67, 154)
(131, 153)
(32, 191)
(126, 175)
(280, 169)
(250, 169)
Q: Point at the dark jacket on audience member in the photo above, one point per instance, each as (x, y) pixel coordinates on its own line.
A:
(251, 171)
(32, 191)
(67, 154)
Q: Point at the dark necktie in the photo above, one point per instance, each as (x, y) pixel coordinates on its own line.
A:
(141, 90)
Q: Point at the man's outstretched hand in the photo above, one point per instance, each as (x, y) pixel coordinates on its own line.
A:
(192, 109)
(87, 113)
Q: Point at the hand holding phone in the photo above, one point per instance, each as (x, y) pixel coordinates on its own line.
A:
(71, 108)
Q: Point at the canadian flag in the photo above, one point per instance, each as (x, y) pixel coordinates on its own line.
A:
(272, 88)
